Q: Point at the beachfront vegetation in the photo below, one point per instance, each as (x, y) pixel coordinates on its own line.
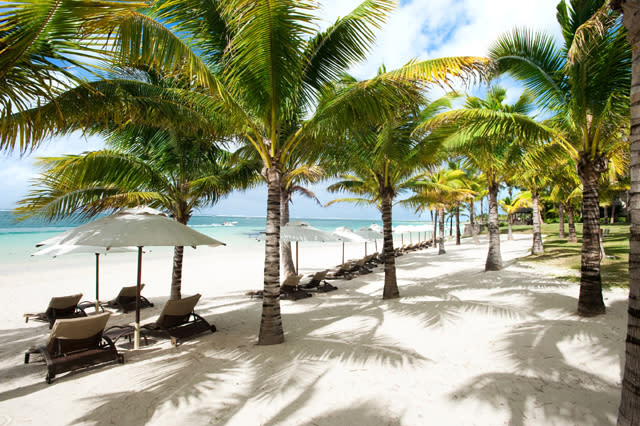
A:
(143, 166)
(41, 42)
(585, 85)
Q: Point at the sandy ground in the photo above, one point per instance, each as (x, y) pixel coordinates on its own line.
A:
(460, 347)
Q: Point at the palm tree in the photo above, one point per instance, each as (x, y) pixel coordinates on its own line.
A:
(42, 42)
(382, 161)
(440, 189)
(264, 66)
(144, 166)
(492, 136)
(585, 84)
(629, 410)
(512, 205)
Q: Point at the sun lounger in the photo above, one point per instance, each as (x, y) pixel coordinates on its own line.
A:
(76, 343)
(318, 284)
(360, 267)
(179, 321)
(125, 301)
(289, 289)
(341, 272)
(59, 307)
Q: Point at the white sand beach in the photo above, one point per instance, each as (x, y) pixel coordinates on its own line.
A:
(460, 347)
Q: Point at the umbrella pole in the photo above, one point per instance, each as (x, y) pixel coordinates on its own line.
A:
(97, 281)
(296, 258)
(402, 239)
(343, 252)
(376, 243)
(136, 341)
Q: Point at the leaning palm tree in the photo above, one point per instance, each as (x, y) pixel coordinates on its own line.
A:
(44, 43)
(264, 65)
(585, 85)
(512, 205)
(143, 166)
(629, 410)
(493, 137)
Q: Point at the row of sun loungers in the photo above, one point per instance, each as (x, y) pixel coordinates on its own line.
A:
(84, 340)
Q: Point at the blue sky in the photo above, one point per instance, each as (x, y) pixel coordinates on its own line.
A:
(417, 29)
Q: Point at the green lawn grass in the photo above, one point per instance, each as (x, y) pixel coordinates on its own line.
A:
(562, 254)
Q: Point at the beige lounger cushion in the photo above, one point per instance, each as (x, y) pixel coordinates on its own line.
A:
(78, 328)
(64, 301)
(291, 281)
(180, 307)
(129, 291)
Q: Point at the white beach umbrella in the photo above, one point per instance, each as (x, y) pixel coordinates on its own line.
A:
(138, 227)
(56, 250)
(348, 234)
(370, 233)
(302, 231)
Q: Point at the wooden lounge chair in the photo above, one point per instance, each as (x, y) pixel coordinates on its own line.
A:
(289, 289)
(76, 343)
(125, 301)
(59, 307)
(341, 272)
(179, 321)
(318, 283)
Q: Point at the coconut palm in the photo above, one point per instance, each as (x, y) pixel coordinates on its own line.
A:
(585, 84)
(629, 410)
(565, 191)
(512, 205)
(441, 189)
(43, 42)
(264, 65)
(381, 161)
(143, 166)
(493, 137)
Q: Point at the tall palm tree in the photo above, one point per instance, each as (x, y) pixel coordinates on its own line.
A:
(44, 43)
(380, 161)
(493, 137)
(143, 166)
(512, 205)
(629, 410)
(264, 65)
(585, 84)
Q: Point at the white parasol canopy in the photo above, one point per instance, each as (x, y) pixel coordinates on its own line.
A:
(348, 234)
(140, 226)
(369, 233)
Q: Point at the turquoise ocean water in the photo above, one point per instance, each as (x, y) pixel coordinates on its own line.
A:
(18, 239)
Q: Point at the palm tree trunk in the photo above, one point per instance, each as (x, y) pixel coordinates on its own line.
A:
(288, 267)
(472, 221)
(606, 214)
(434, 217)
(510, 222)
(441, 249)
(458, 224)
(537, 247)
(390, 290)
(176, 275)
(494, 257)
(613, 209)
(178, 256)
(629, 411)
(561, 233)
(271, 331)
(573, 237)
(590, 301)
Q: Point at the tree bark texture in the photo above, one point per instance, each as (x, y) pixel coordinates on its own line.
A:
(590, 301)
(472, 221)
(390, 290)
(441, 249)
(288, 267)
(537, 247)
(629, 411)
(573, 237)
(178, 257)
(458, 224)
(494, 257)
(561, 233)
(614, 201)
(271, 331)
(434, 217)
